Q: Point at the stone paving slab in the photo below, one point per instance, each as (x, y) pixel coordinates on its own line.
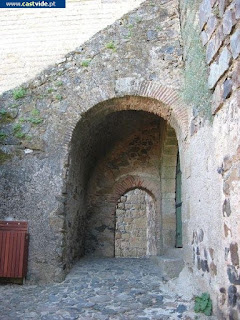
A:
(101, 289)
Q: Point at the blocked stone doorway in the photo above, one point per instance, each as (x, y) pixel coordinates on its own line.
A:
(135, 233)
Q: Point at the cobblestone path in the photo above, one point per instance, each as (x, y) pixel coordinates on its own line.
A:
(98, 289)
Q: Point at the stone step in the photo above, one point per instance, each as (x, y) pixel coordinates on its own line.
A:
(169, 264)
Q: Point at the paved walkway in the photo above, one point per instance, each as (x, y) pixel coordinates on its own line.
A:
(98, 289)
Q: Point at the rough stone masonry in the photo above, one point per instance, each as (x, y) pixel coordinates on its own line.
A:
(69, 153)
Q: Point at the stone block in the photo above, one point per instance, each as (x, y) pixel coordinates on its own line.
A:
(171, 141)
(217, 98)
(119, 212)
(140, 223)
(204, 37)
(228, 21)
(168, 185)
(218, 69)
(169, 266)
(169, 222)
(211, 26)
(123, 199)
(152, 35)
(204, 12)
(168, 206)
(168, 172)
(120, 206)
(171, 150)
(234, 253)
(236, 75)
(227, 88)
(214, 44)
(235, 44)
(237, 9)
(169, 237)
(222, 6)
(168, 195)
(171, 132)
(169, 160)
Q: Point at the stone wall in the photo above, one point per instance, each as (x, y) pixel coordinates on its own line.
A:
(211, 208)
(135, 225)
(31, 40)
(66, 154)
(220, 34)
(53, 129)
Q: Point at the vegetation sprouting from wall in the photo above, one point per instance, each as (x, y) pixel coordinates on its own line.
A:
(195, 89)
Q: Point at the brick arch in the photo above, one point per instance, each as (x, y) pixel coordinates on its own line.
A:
(124, 185)
(132, 182)
(163, 101)
(138, 96)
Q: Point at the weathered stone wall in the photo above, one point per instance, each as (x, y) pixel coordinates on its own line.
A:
(52, 137)
(211, 207)
(135, 225)
(31, 40)
(58, 133)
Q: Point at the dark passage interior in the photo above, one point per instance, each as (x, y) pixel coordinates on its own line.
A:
(116, 154)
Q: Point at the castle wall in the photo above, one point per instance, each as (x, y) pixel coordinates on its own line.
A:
(54, 141)
(213, 176)
(48, 149)
(33, 39)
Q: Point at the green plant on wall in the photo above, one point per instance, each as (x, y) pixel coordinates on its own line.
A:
(203, 304)
(3, 112)
(58, 97)
(17, 129)
(85, 63)
(35, 117)
(19, 93)
(111, 45)
(59, 83)
(2, 136)
(195, 90)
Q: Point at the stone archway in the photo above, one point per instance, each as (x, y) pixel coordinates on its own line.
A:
(86, 201)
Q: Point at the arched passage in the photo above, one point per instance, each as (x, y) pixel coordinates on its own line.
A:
(118, 145)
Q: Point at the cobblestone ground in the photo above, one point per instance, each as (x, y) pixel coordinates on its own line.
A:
(98, 289)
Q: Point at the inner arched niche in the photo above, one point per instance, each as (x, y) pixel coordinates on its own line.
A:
(113, 141)
(135, 231)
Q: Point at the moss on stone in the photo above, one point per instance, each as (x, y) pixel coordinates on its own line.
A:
(4, 157)
(195, 90)
(5, 116)
(2, 136)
